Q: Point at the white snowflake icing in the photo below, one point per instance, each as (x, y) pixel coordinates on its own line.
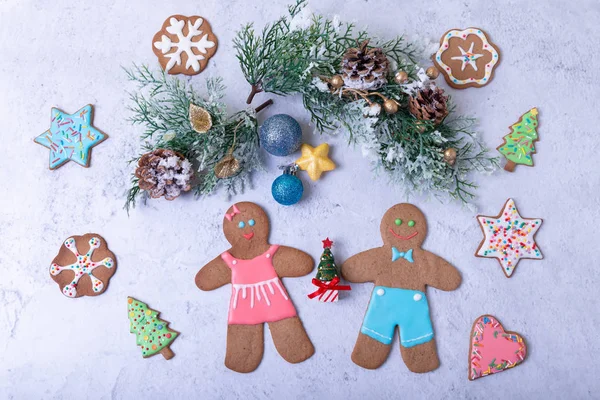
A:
(467, 57)
(84, 265)
(184, 44)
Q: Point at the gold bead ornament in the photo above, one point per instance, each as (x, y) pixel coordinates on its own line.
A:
(432, 72)
(401, 77)
(336, 81)
(390, 106)
(450, 156)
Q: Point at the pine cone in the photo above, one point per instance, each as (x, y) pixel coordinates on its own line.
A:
(365, 68)
(429, 104)
(164, 172)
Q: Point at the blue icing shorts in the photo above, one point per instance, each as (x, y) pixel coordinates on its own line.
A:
(391, 307)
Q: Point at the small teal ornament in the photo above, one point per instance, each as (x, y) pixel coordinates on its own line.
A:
(280, 135)
(287, 189)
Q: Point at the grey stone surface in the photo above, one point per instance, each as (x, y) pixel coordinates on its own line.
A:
(69, 54)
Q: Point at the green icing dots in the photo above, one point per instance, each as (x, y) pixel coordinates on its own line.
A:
(398, 221)
(152, 333)
(411, 223)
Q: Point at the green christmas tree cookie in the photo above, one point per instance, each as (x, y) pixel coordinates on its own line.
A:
(152, 333)
(518, 144)
(327, 269)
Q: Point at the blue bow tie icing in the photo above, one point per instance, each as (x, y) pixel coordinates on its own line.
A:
(401, 254)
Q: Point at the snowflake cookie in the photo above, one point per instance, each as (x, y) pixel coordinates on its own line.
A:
(83, 266)
(184, 44)
(467, 58)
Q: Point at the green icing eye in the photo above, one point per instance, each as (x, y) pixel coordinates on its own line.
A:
(398, 221)
(411, 223)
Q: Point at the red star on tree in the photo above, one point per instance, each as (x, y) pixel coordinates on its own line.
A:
(327, 243)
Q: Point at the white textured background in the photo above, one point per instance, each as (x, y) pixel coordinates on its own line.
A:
(69, 54)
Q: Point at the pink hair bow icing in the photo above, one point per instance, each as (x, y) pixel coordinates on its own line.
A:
(232, 214)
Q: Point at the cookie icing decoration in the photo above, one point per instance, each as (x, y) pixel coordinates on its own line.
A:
(95, 266)
(70, 137)
(493, 349)
(255, 268)
(518, 145)
(152, 333)
(401, 270)
(315, 160)
(466, 58)
(184, 44)
(397, 254)
(509, 237)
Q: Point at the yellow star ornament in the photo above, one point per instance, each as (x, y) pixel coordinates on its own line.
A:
(314, 160)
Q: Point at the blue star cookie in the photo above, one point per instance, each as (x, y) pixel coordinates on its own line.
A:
(71, 137)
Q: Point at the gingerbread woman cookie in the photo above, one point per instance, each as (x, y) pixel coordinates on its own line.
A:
(467, 58)
(401, 270)
(255, 268)
(184, 44)
(83, 266)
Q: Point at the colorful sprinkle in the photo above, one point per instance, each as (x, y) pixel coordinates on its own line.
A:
(509, 239)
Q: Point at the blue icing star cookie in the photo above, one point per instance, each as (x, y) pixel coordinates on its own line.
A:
(71, 137)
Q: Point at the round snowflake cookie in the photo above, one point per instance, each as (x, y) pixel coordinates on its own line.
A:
(467, 58)
(83, 266)
(184, 44)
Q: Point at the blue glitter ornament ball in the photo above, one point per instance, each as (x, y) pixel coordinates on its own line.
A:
(287, 189)
(280, 135)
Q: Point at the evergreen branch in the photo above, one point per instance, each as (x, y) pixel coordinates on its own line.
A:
(290, 56)
(161, 104)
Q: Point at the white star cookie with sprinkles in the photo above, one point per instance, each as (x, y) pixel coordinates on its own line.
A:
(509, 237)
(71, 137)
(83, 274)
(466, 68)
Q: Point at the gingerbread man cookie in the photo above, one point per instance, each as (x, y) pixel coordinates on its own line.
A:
(401, 270)
(467, 58)
(83, 266)
(184, 44)
(255, 268)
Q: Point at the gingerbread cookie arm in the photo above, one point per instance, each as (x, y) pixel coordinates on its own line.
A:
(440, 273)
(361, 267)
(291, 262)
(213, 275)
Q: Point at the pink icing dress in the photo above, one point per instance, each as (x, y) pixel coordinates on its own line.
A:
(257, 294)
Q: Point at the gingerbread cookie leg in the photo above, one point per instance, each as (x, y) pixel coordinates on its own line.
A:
(245, 347)
(370, 353)
(291, 340)
(421, 358)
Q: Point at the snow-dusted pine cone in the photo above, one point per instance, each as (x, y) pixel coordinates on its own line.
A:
(429, 104)
(164, 172)
(365, 68)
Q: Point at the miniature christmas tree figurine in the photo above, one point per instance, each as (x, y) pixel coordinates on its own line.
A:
(327, 270)
(327, 278)
(518, 144)
(152, 333)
